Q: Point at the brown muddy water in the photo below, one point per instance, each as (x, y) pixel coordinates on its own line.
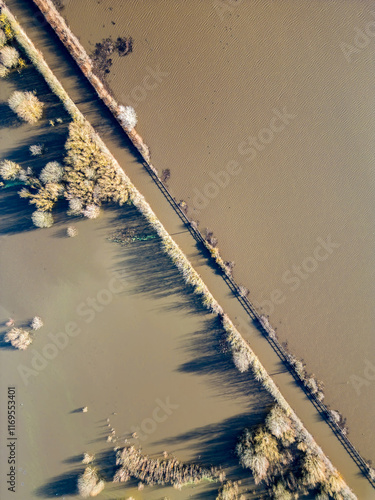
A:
(122, 335)
(207, 85)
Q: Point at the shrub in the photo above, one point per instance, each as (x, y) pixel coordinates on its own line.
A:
(230, 491)
(90, 174)
(127, 117)
(75, 206)
(4, 71)
(36, 323)
(241, 360)
(314, 470)
(87, 458)
(72, 231)
(26, 105)
(91, 211)
(52, 172)
(278, 422)
(89, 484)
(3, 38)
(45, 197)
(36, 149)
(19, 338)
(279, 492)
(9, 57)
(9, 170)
(42, 219)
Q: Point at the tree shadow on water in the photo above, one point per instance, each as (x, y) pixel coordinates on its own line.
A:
(59, 486)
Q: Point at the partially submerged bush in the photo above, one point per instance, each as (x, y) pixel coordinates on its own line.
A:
(36, 323)
(87, 458)
(19, 338)
(9, 57)
(241, 360)
(9, 170)
(132, 464)
(288, 461)
(230, 491)
(90, 174)
(72, 231)
(4, 71)
(42, 219)
(36, 149)
(89, 484)
(127, 117)
(91, 211)
(26, 105)
(52, 172)
(3, 38)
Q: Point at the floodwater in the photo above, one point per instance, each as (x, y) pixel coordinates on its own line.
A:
(122, 335)
(294, 208)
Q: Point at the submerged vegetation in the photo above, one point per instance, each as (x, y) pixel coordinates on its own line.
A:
(280, 456)
(133, 464)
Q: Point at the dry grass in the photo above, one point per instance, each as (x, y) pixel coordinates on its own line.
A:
(26, 105)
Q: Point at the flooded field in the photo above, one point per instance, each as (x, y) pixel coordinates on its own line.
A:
(122, 336)
(264, 114)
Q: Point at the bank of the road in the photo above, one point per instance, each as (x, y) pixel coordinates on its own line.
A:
(108, 128)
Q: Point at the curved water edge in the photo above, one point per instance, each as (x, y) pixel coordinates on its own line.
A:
(170, 246)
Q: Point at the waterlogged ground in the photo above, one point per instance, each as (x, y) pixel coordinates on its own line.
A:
(122, 335)
(264, 114)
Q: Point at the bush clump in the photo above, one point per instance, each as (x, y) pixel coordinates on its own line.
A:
(90, 174)
(9, 170)
(42, 219)
(127, 117)
(230, 491)
(52, 172)
(19, 338)
(26, 105)
(36, 323)
(287, 461)
(89, 484)
(9, 57)
(3, 38)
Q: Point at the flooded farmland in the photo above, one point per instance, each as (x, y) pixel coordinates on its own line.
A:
(207, 85)
(122, 336)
